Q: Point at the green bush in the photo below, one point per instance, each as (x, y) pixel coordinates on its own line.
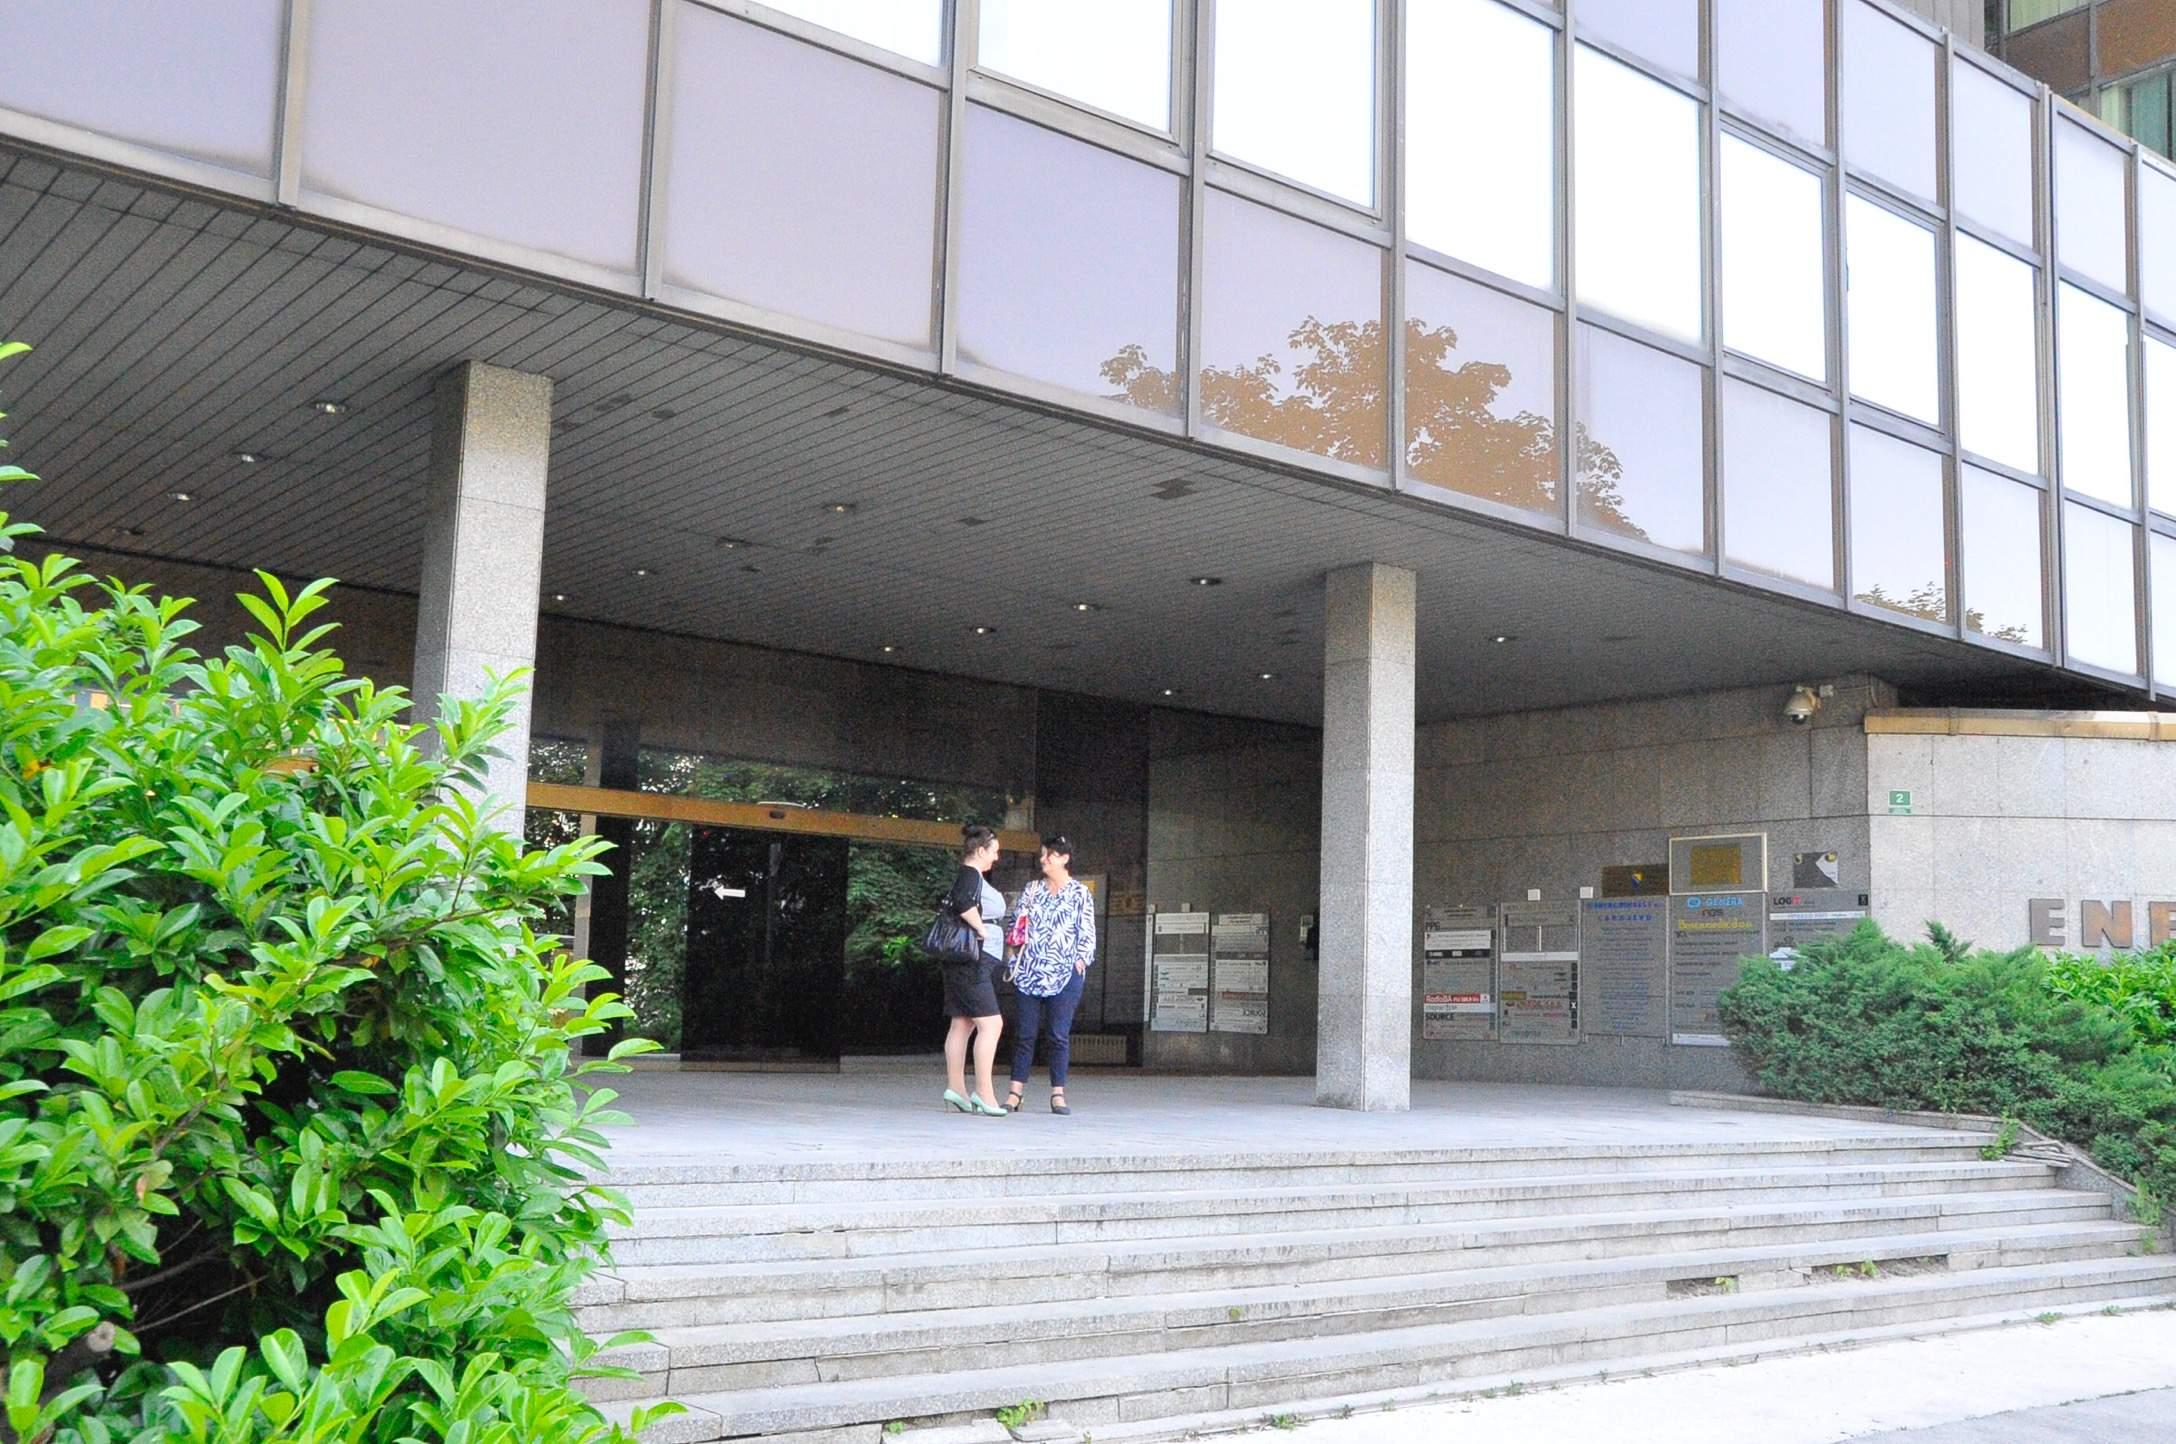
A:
(293, 1142)
(1867, 1020)
(2141, 987)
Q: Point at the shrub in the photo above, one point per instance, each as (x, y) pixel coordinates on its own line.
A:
(294, 1140)
(2140, 987)
(1866, 1020)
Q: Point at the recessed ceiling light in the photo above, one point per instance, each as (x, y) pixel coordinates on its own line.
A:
(889, 648)
(839, 508)
(248, 458)
(182, 495)
(129, 531)
(1171, 691)
(1208, 581)
(730, 543)
(326, 406)
(1502, 637)
(1086, 607)
(559, 596)
(644, 572)
(985, 631)
(1266, 676)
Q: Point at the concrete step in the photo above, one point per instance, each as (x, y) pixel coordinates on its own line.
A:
(749, 1232)
(695, 1181)
(1130, 1388)
(1001, 1272)
(704, 1359)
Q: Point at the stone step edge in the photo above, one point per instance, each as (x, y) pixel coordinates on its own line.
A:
(1443, 1286)
(745, 1219)
(694, 1169)
(610, 1283)
(862, 1400)
(698, 1425)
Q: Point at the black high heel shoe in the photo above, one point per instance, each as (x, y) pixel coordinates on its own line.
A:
(1057, 1102)
(1012, 1101)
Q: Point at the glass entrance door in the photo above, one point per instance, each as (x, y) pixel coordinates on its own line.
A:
(766, 940)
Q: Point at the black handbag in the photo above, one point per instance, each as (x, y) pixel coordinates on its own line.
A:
(951, 940)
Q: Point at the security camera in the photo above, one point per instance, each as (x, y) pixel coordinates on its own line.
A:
(1803, 704)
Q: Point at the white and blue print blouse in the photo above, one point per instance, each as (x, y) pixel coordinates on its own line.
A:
(1061, 937)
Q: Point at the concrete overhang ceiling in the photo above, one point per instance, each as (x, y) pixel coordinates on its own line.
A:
(174, 333)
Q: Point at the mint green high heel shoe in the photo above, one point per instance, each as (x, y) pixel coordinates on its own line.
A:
(976, 1105)
(956, 1103)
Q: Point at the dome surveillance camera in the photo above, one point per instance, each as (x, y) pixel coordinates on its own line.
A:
(1803, 704)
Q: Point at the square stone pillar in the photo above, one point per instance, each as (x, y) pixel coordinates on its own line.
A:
(1364, 1034)
(483, 554)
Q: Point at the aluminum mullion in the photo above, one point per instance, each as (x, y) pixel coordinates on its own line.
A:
(294, 83)
(1390, 162)
(1832, 245)
(1711, 292)
(1567, 277)
(1194, 219)
(1945, 300)
(656, 146)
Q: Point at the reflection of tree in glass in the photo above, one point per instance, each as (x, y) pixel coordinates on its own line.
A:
(1333, 406)
(1930, 601)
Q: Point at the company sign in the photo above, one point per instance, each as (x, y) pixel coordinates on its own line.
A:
(2095, 923)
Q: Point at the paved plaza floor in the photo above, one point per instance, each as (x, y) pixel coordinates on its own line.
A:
(895, 1113)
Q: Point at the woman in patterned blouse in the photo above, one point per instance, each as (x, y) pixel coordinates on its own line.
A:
(1054, 937)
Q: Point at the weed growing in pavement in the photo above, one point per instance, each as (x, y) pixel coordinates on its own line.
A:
(1284, 1421)
(2049, 1317)
(1027, 1411)
(2002, 1143)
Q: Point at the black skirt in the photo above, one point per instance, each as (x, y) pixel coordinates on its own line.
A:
(970, 989)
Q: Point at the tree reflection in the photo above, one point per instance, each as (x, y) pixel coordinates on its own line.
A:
(1458, 432)
(1929, 601)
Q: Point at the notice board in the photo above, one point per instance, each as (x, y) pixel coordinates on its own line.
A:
(1458, 973)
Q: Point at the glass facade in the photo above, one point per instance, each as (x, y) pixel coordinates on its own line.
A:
(1639, 464)
(1480, 392)
(1899, 556)
(1889, 291)
(1775, 286)
(1998, 365)
(1486, 126)
(806, 174)
(379, 112)
(1636, 196)
(1295, 92)
(2100, 589)
(1991, 171)
(825, 203)
(1888, 99)
(1770, 60)
(1778, 465)
(1292, 333)
(2164, 610)
(1112, 54)
(2093, 384)
(1040, 213)
(2002, 550)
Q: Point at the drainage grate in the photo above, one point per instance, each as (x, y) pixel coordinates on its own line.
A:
(1099, 1048)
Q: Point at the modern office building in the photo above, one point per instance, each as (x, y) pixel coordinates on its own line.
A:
(1373, 472)
(2115, 58)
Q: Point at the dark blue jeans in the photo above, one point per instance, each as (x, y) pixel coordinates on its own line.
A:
(1035, 1014)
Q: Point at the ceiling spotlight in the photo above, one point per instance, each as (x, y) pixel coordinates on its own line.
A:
(1208, 581)
(329, 407)
(1266, 676)
(644, 572)
(182, 495)
(128, 531)
(1500, 638)
(839, 508)
(730, 543)
(248, 458)
(985, 631)
(559, 596)
(1086, 607)
(1171, 691)
(889, 648)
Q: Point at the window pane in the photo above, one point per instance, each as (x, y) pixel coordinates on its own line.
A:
(1899, 551)
(1998, 370)
(2100, 589)
(913, 28)
(1041, 215)
(1112, 54)
(1480, 137)
(801, 181)
(1773, 287)
(1639, 439)
(1769, 60)
(475, 129)
(2161, 425)
(2157, 227)
(1889, 307)
(2002, 558)
(2089, 213)
(139, 72)
(1480, 391)
(1295, 91)
(1664, 31)
(2093, 385)
(1778, 486)
(1888, 99)
(2164, 609)
(1292, 333)
(1991, 153)
(1637, 169)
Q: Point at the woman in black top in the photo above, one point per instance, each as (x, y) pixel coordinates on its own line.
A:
(970, 989)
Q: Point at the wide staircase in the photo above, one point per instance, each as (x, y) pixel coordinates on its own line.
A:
(1131, 1297)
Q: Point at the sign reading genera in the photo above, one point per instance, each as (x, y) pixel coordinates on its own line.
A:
(2110, 923)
